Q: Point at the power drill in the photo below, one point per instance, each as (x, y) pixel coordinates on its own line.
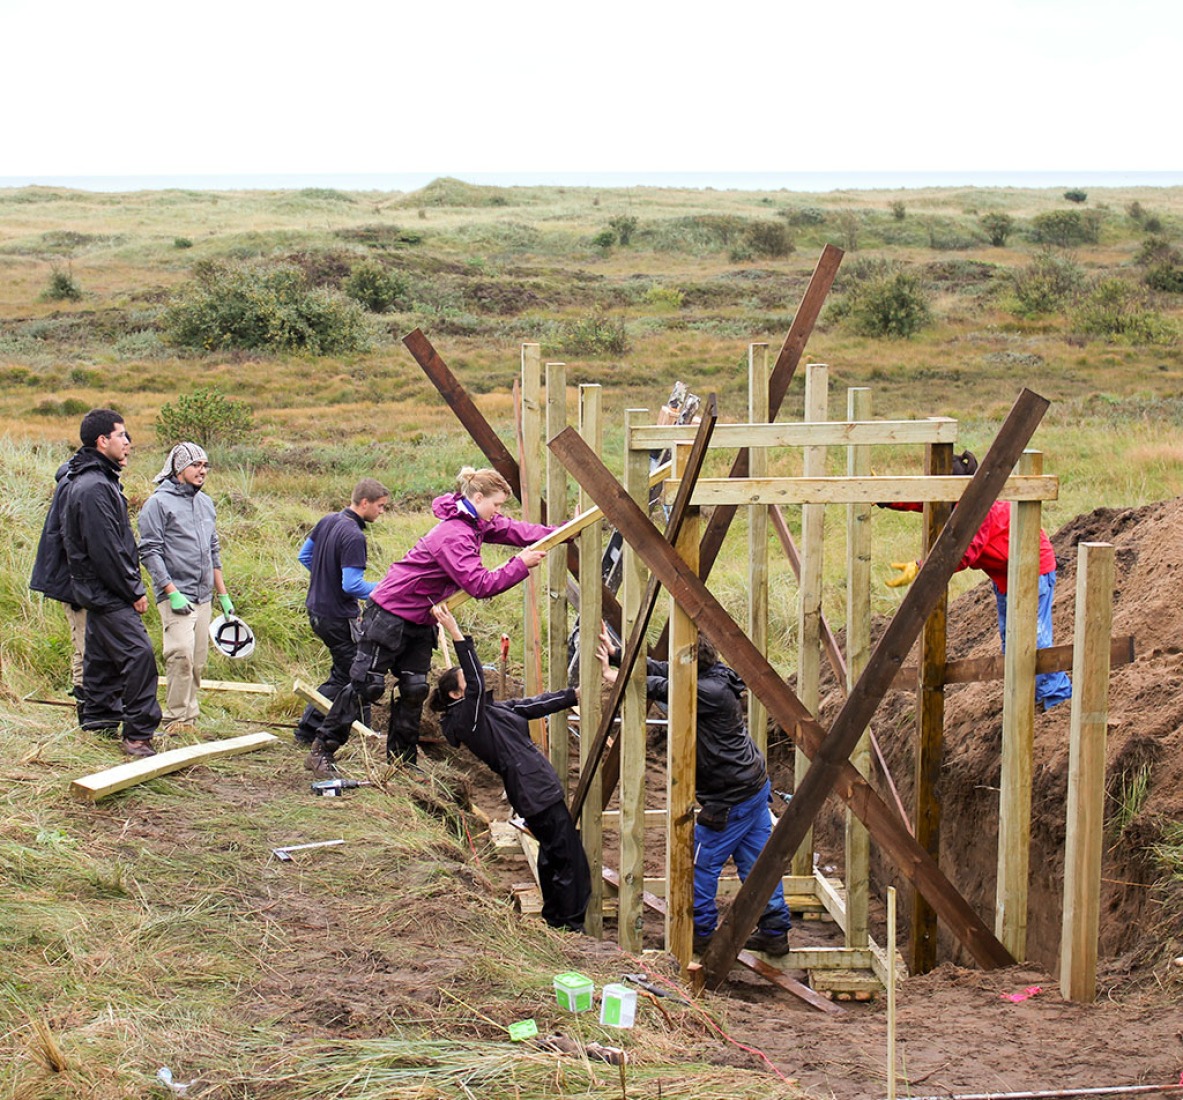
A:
(332, 788)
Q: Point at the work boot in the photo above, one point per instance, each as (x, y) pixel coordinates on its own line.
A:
(701, 940)
(770, 943)
(320, 761)
(137, 746)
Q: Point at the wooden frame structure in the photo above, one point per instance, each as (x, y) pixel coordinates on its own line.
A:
(673, 564)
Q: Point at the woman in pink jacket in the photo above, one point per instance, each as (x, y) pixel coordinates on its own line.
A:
(397, 626)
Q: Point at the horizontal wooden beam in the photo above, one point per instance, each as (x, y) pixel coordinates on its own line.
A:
(1056, 658)
(714, 491)
(652, 437)
(230, 685)
(91, 788)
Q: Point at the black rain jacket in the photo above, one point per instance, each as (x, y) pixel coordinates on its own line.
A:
(499, 735)
(51, 572)
(729, 768)
(100, 545)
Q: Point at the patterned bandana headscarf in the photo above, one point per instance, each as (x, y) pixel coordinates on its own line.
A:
(182, 455)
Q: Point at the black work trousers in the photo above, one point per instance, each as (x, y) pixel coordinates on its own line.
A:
(340, 639)
(563, 872)
(388, 643)
(119, 674)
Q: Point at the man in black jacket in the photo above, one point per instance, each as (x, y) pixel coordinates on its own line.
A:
(732, 787)
(51, 577)
(119, 670)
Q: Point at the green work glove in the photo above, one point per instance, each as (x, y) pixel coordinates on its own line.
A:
(224, 600)
(179, 603)
(908, 571)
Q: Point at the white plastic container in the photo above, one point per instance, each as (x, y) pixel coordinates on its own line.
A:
(618, 1006)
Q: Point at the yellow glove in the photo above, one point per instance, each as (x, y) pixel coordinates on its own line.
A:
(908, 572)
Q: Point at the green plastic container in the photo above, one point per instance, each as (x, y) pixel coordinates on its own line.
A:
(523, 1029)
(574, 991)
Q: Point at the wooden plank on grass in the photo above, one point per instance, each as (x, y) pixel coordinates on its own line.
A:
(91, 788)
(229, 685)
(323, 703)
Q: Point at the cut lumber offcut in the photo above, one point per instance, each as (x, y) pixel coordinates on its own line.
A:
(323, 703)
(230, 685)
(91, 788)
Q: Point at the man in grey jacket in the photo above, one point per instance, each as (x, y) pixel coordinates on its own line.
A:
(179, 548)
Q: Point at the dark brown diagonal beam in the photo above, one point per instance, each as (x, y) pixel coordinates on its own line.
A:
(778, 385)
(489, 442)
(636, 639)
(831, 759)
(764, 682)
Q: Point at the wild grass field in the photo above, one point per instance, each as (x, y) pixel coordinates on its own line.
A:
(125, 952)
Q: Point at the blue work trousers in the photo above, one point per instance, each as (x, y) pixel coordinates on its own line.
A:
(748, 828)
(1050, 687)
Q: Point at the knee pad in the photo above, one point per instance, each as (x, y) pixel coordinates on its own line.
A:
(412, 688)
(370, 688)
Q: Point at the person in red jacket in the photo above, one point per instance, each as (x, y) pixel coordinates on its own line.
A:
(989, 551)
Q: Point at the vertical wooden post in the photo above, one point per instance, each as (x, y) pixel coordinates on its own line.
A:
(930, 723)
(809, 613)
(634, 707)
(556, 569)
(1018, 719)
(681, 749)
(530, 470)
(858, 651)
(758, 537)
(1086, 771)
(590, 552)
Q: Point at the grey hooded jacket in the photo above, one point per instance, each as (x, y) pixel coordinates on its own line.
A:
(178, 540)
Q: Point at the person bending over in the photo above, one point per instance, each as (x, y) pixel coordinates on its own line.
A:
(499, 735)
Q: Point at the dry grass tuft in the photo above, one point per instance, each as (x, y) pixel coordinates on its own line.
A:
(44, 1049)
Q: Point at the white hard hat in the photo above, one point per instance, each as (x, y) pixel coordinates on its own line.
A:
(232, 636)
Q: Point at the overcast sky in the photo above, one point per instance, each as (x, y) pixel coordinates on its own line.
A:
(133, 87)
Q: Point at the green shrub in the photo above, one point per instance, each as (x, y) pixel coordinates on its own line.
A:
(182, 242)
(1135, 211)
(1152, 223)
(898, 210)
(1118, 310)
(68, 406)
(205, 416)
(1167, 277)
(695, 235)
(892, 304)
(1155, 249)
(848, 229)
(62, 287)
(256, 306)
(624, 225)
(665, 297)
(997, 227)
(375, 287)
(768, 238)
(804, 215)
(595, 334)
(1065, 228)
(1048, 283)
(604, 239)
(1075, 194)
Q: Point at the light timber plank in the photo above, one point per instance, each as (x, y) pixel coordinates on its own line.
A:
(758, 539)
(92, 788)
(759, 433)
(1018, 720)
(1086, 772)
(556, 572)
(228, 685)
(714, 491)
(323, 704)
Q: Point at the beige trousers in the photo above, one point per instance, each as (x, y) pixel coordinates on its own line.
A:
(77, 621)
(186, 646)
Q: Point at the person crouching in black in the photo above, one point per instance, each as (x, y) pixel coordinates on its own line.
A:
(499, 734)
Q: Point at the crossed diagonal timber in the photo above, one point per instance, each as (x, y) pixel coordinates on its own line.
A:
(778, 385)
(483, 435)
(636, 639)
(830, 769)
